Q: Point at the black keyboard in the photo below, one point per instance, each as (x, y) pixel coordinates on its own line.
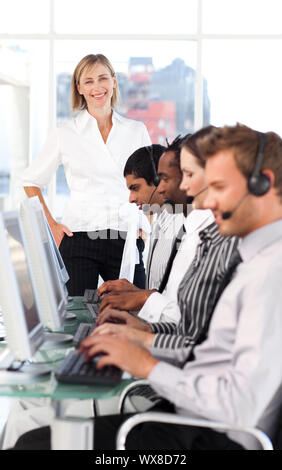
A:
(84, 330)
(93, 309)
(91, 296)
(75, 370)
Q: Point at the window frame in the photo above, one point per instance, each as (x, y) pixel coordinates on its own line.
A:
(198, 38)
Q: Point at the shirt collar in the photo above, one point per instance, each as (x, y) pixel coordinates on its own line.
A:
(83, 118)
(166, 219)
(210, 233)
(196, 218)
(256, 241)
(117, 117)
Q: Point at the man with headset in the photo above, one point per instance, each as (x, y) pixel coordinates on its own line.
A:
(146, 191)
(236, 374)
(230, 378)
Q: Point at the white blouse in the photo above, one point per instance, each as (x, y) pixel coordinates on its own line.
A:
(93, 169)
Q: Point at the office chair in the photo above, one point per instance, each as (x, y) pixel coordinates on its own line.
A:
(133, 421)
(138, 388)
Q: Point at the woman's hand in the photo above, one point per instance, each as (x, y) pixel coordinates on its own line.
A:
(59, 230)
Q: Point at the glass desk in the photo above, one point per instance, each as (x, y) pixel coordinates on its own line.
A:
(49, 387)
(60, 393)
(76, 303)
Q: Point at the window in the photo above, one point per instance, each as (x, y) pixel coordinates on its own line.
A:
(23, 112)
(126, 17)
(156, 83)
(24, 16)
(242, 17)
(179, 68)
(244, 79)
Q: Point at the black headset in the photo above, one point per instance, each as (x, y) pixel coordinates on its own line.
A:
(156, 178)
(259, 183)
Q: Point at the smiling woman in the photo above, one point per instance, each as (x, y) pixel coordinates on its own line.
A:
(94, 80)
(93, 148)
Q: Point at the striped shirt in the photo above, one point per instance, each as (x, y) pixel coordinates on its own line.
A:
(198, 292)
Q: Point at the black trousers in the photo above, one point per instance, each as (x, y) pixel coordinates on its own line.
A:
(147, 436)
(88, 255)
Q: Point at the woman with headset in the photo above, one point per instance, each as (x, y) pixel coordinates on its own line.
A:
(93, 148)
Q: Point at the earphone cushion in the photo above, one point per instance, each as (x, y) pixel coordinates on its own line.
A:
(157, 180)
(259, 185)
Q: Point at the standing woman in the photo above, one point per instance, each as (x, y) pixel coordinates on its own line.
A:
(93, 147)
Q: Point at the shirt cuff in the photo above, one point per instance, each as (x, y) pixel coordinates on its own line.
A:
(164, 378)
(29, 183)
(177, 357)
(153, 307)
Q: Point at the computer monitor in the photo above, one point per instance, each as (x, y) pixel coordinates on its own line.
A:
(24, 330)
(63, 270)
(47, 282)
(60, 266)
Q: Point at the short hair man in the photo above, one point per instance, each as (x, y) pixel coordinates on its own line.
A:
(140, 171)
(165, 229)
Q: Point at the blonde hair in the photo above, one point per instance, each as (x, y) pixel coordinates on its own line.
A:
(78, 100)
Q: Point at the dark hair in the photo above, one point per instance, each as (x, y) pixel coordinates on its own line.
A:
(190, 143)
(175, 147)
(140, 165)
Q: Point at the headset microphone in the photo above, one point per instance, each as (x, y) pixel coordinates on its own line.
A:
(146, 207)
(156, 178)
(226, 215)
(190, 199)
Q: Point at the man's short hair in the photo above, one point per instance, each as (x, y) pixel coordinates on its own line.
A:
(140, 165)
(244, 141)
(175, 147)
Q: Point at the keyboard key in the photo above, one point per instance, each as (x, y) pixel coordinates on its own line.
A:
(93, 309)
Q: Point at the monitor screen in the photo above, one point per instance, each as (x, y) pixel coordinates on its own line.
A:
(63, 271)
(19, 261)
(49, 255)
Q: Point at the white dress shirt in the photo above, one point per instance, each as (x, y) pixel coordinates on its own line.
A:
(164, 230)
(236, 375)
(164, 307)
(93, 168)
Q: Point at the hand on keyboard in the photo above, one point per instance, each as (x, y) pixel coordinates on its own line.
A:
(75, 369)
(117, 285)
(119, 352)
(111, 315)
(91, 296)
